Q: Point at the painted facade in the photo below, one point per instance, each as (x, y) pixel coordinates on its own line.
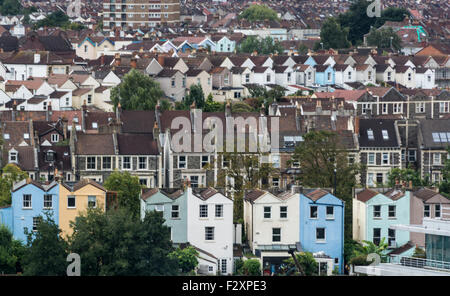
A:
(322, 225)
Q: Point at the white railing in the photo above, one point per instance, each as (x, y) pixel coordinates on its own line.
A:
(420, 262)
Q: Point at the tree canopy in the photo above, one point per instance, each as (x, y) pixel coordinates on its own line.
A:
(46, 250)
(11, 252)
(54, 19)
(262, 46)
(381, 38)
(259, 13)
(137, 91)
(333, 35)
(186, 259)
(11, 173)
(319, 155)
(115, 243)
(128, 190)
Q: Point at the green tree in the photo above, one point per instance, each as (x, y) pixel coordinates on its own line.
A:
(306, 261)
(404, 175)
(46, 250)
(11, 173)
(262, 46)
(213, 106)
(186, 258)
(319, 155)
(381, 38)
(10, 7)
(195, 96)
(357, 21)
(137, 91)
(444, 187)
(393, 14)
(115, 243)
(259, 13)
(333, 35)
(11, 252)
(54, 19)
(251, 267)
(128, 190)
(367, 247)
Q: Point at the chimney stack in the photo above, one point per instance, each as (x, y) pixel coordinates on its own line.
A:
(133, 63)
(117, 60)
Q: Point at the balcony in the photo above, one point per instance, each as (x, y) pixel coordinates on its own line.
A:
(420, 263)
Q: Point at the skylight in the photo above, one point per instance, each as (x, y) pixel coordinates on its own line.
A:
(441, 137)
(385, 135)
(370, 134)
(6, 136)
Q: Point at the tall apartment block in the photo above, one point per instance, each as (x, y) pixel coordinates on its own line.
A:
(139, 13)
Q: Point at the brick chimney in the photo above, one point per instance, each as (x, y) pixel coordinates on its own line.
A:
(133, 63)
(117, 59)
(357, 125)
(102, 60)
(161, 60)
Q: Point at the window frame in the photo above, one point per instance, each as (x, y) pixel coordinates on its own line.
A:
(87, 163)
(276, 235)
(203, 211)
(69, 197)
(324, 239)
(269, 212)
(375, 216)
(311, 212)
(90, 201)
(283, 212)
(175, 211)
(27, 201)
(209, 236)
(46, 202)
(218, 211)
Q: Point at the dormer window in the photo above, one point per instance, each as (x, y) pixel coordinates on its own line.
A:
(13, 155)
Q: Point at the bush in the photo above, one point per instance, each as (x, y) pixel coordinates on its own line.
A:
(360, 260)
(252, 267)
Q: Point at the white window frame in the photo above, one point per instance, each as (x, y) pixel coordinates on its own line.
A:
(283, 212)
(26, 203)
(267, 210)
(278, 235)
(329, 216)
(219, 211)
(390, 212)
(184, 161)
(130, 163)
(175, 209)
(324, 239)
(203, 211)
(75, 201)
(209, 233)
(145, 163)
(310, 212)
(87, 163)
(48, 204)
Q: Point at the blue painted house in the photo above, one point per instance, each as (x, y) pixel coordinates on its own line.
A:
(325, 74)
(173, 204)
(322, 226)
(6, 217)
(30, 201)
(224, 44)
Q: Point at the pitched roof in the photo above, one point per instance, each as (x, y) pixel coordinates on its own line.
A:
(95, 144)
(366, 195)
(253, 195)
(134, 144)
(316, 194)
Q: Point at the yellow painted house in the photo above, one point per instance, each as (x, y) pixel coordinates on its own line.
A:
(75, 200)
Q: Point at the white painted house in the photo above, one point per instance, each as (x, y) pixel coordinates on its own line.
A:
(272, 223)
(210, 225)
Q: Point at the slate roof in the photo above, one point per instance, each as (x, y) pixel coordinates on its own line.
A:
(377, 126)
(316, 194)
(134, 144)
(430, 126)
(253, 195)
(95, 144)
(134, 121)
